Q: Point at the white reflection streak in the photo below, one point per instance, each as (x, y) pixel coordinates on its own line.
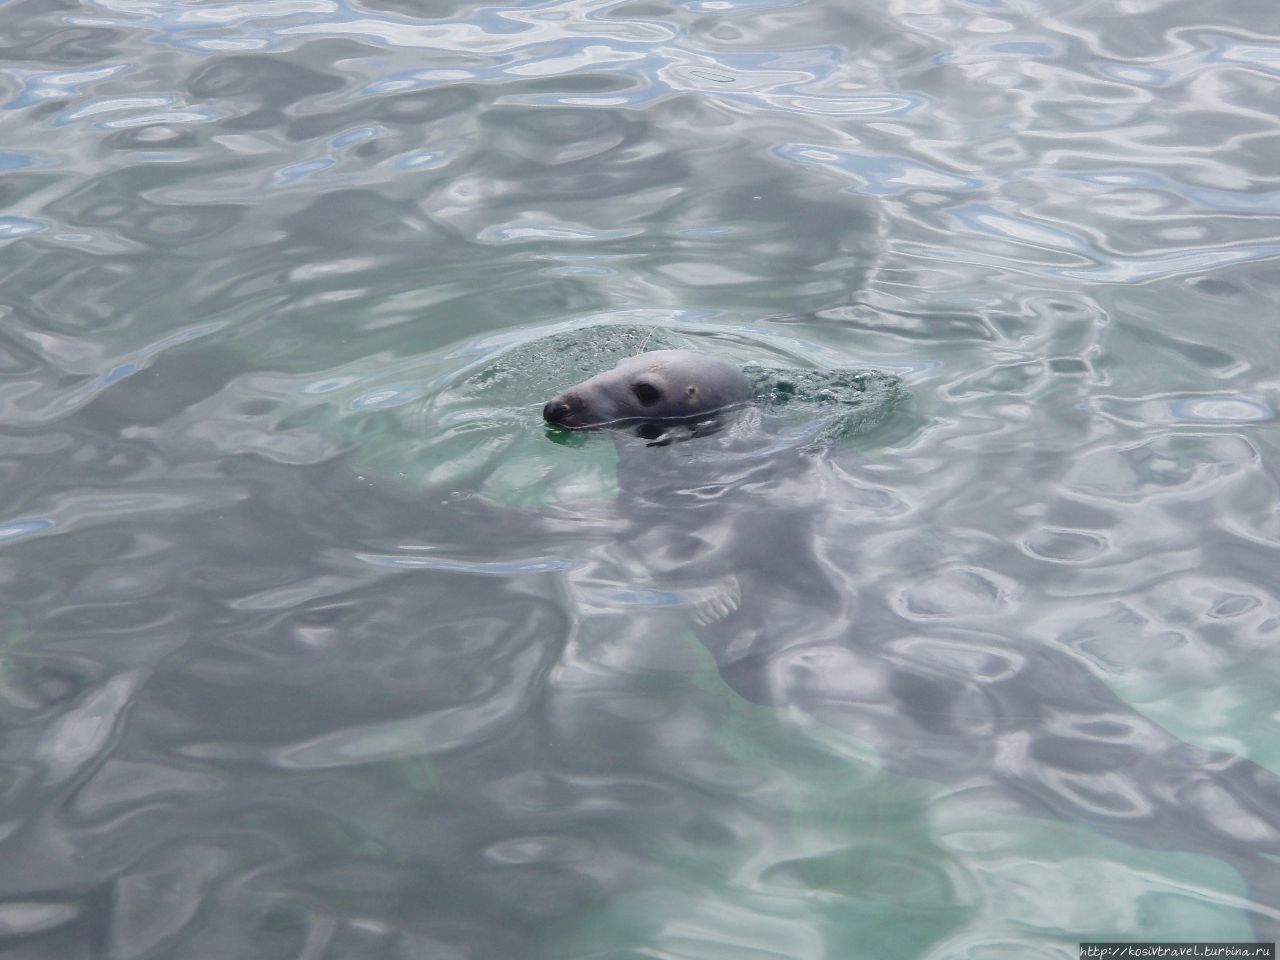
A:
(504, 568)
(236, 13)
(25, 917)
(451, 36)
(1187, 262)
(80, 734)
(115, 104)
(594, 55)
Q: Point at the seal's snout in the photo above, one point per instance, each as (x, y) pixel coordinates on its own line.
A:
(557, 411)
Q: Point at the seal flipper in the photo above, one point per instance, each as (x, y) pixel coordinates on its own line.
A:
(715, 602)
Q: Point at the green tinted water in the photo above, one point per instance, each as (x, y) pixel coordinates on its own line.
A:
(316, 643)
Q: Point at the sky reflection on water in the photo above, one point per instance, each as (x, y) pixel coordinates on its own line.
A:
(318, 643)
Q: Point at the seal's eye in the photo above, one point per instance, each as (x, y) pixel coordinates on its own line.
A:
(646, 393)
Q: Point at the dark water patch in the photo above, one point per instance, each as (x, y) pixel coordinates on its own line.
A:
(36, 31)
(121, 203)
(345, 221)
(314, 643)
(576, 83)
(409, 111)
(14, 187)
(569, 157)
(169, 383)
(271, 82)
(70, 293)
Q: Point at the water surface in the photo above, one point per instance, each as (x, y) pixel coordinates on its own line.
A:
(316, 644)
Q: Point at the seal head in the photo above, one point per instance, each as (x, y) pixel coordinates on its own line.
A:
(660, 385)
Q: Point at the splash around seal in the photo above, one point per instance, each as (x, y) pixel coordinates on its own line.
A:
(659, 385)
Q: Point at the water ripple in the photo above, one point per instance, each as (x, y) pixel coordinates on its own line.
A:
(430, 733)
(318, 642)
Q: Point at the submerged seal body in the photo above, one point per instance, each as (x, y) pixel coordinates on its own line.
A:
(660, 385)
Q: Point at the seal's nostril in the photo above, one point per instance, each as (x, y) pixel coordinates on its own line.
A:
(555, 411)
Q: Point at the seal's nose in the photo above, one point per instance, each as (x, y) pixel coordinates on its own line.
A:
(555, 411)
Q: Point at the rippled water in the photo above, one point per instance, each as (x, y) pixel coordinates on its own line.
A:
(317, 644)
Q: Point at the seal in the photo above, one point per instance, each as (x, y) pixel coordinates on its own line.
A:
(660, 385)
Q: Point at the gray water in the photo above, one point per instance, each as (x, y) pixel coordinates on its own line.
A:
(317, 644)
